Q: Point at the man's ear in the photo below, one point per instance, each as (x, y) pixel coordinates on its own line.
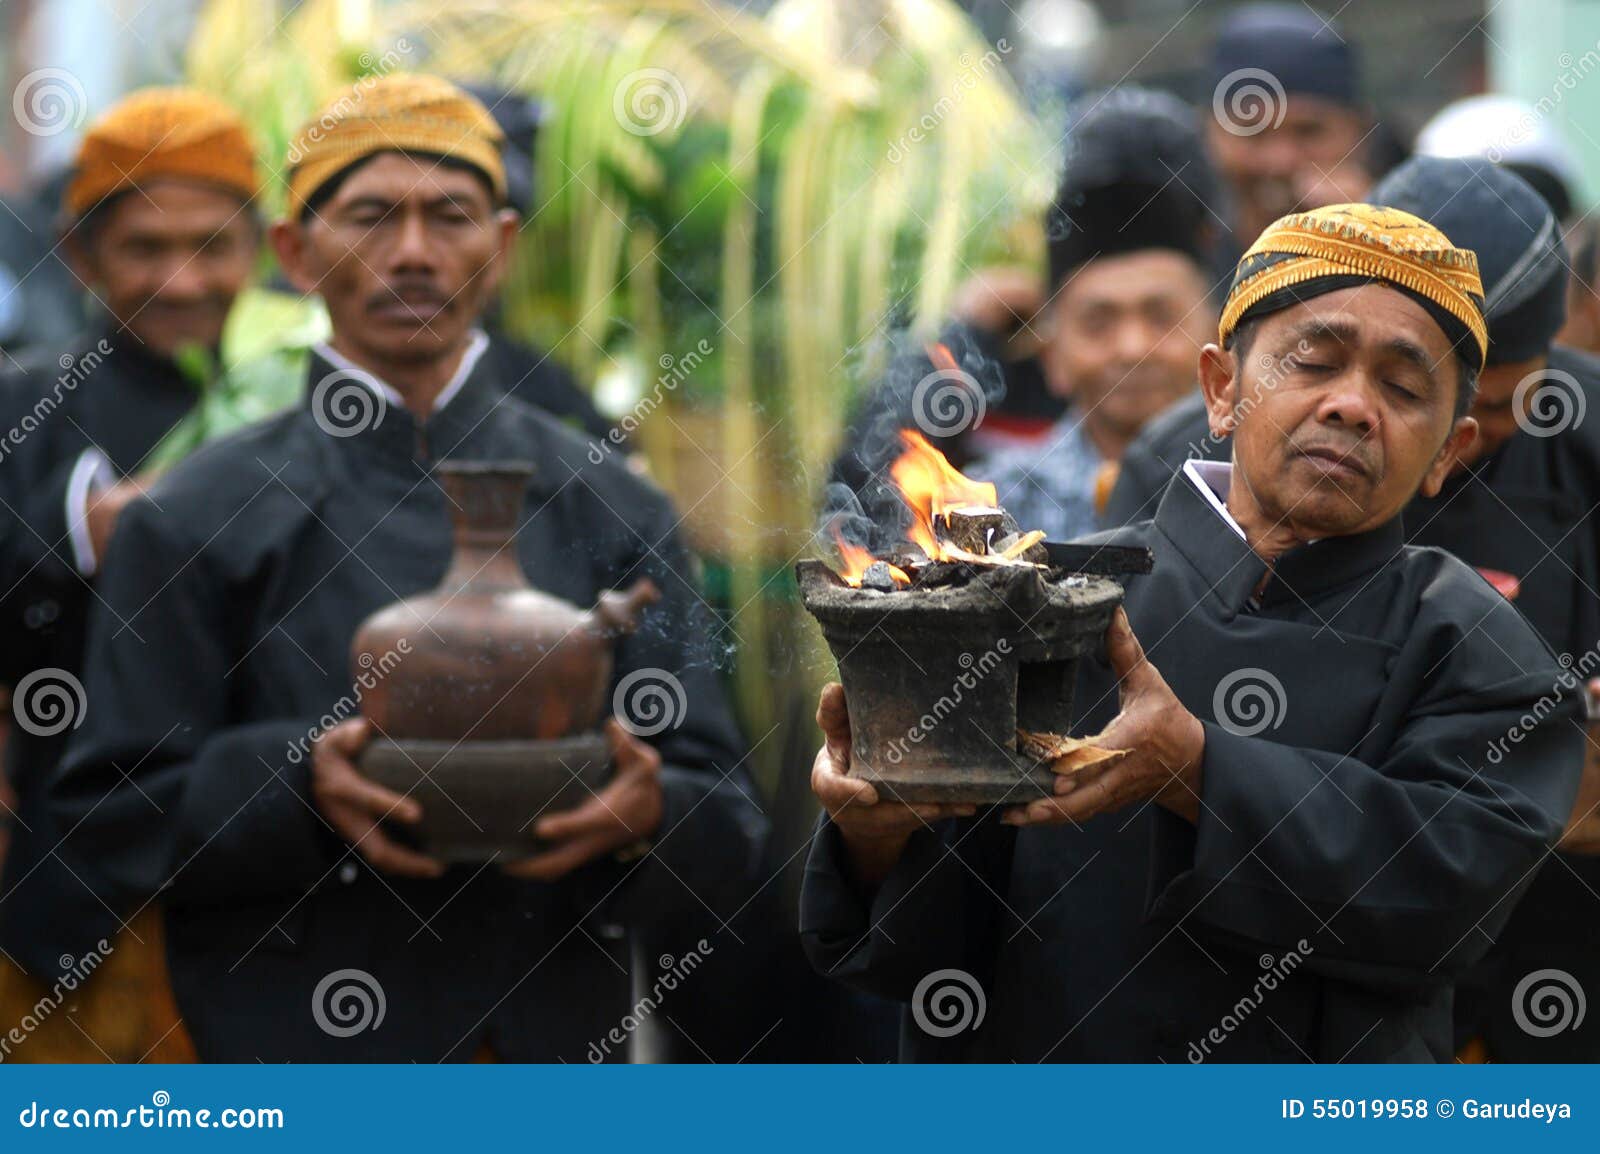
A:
(77, 250)
(1218, 368)
(509, 224)
(1462, 434)
(288, 242)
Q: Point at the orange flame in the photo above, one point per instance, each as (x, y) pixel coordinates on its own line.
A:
(942, 357)
(856, 562)
(931, 486)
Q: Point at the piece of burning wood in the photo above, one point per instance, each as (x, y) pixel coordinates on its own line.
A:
(993, 560)
(1067, 754)
(1027, 547)
(970, 527)
(880, 576)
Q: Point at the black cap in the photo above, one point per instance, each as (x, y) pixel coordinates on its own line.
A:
(518, 116)
(1301, 51)
(1136, 176)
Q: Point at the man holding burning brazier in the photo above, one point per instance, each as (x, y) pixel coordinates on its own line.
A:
(1293, 714)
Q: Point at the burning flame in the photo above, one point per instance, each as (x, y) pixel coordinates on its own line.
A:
(930, 485)
(856, 562)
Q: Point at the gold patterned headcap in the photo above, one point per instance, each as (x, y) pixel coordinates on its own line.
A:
(400, 112)
(156, 133)
(1305, 254)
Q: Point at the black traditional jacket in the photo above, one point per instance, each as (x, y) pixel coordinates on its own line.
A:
(1532, 510)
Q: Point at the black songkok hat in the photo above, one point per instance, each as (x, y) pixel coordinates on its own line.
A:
(1136, 176)
(1293, 45)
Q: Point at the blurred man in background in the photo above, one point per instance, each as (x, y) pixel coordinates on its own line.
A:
(1289, 129)
(160, 227)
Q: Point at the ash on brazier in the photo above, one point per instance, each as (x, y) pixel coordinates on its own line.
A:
(490, 719)
(940, 675)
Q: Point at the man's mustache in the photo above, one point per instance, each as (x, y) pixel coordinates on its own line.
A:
(408, 293)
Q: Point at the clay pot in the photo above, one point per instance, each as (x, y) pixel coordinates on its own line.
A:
(486, 694)
(486, 657)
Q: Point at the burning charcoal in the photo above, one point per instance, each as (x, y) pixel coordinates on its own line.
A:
(879, 576)
(969, 527)
(914, 567)
(937, 573)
